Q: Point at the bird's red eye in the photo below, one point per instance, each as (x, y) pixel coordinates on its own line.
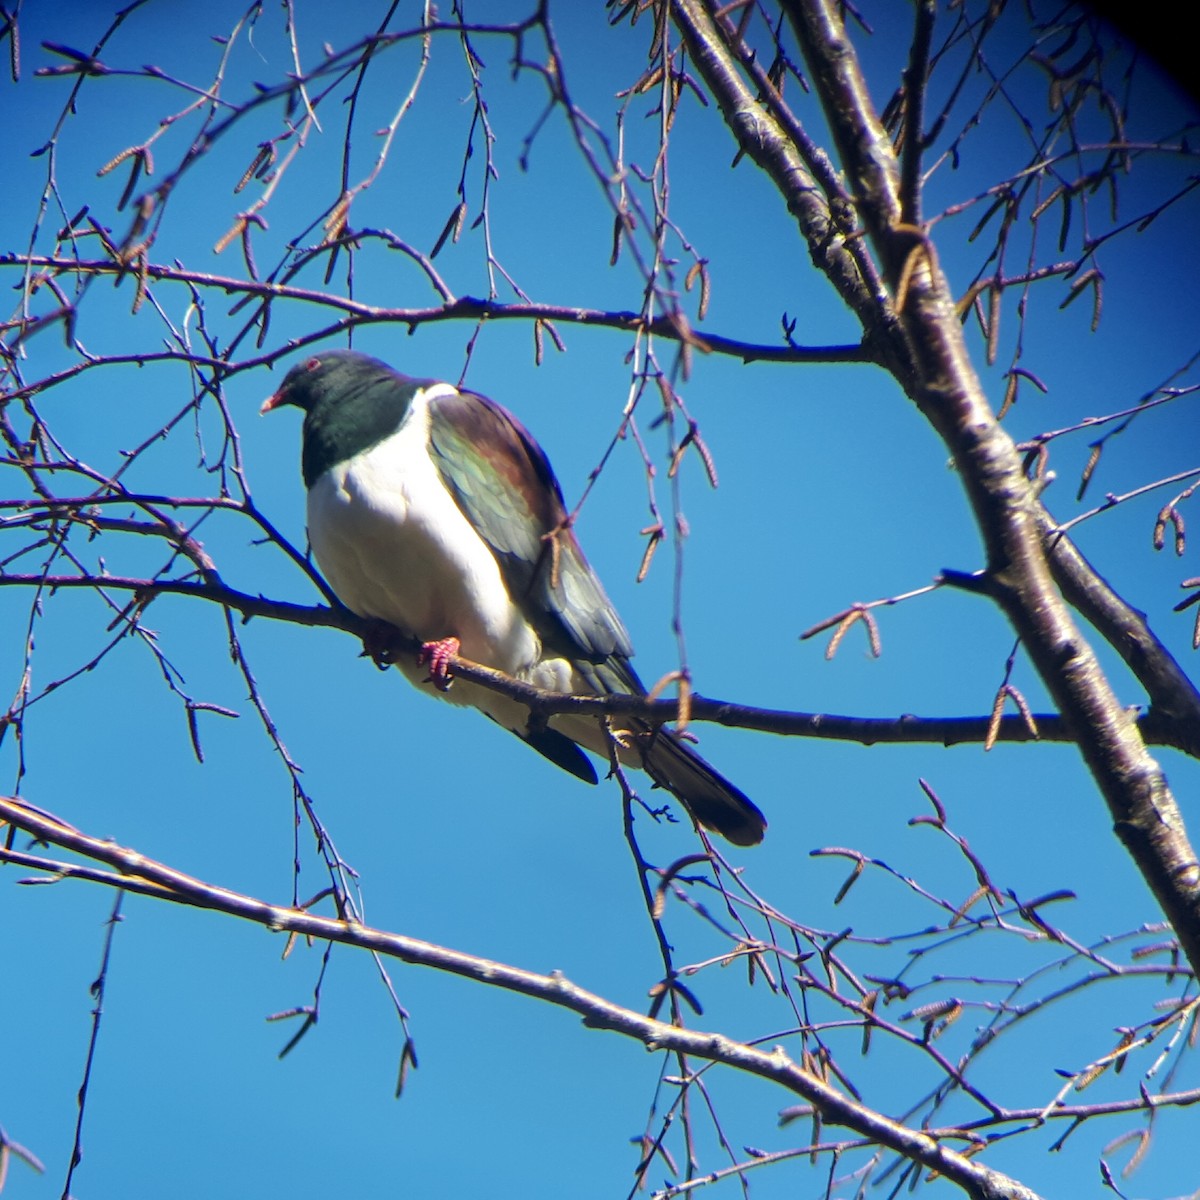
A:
(312, 364)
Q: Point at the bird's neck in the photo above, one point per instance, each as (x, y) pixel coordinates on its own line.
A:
(335, 433)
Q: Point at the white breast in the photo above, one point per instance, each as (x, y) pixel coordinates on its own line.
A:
(394, 545)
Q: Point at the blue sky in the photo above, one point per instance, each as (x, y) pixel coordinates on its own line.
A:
(832, 490)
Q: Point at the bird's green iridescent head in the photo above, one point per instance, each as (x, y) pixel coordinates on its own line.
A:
(351, 402)
(329, 377)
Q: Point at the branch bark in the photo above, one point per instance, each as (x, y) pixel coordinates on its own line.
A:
(1158, 727)
(135, 872)
(461, 308)
(916, 335)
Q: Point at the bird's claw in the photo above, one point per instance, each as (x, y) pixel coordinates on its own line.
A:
(380, 644)
(438, 655)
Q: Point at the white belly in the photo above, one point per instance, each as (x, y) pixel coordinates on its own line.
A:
(395, 546)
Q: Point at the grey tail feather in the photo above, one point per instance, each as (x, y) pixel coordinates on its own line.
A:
(712, 800)
(563, 752)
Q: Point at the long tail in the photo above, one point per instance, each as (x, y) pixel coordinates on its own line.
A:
(711, 799)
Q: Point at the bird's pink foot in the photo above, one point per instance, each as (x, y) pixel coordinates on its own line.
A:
(438, 655)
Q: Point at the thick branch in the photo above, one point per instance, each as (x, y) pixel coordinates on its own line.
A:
(1172, 694)
(763, 138)
(152, 878)
(922, 345)
(945, 387)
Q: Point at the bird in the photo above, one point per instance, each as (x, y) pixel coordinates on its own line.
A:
(432, 509)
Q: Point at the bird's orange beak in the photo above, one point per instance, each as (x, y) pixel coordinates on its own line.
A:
(271, 403)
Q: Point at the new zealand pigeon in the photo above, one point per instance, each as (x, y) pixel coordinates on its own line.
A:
(433, 509)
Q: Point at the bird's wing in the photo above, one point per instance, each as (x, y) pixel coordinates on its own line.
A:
(504, 484)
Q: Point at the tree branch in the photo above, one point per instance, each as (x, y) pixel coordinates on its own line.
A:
(1173, 696)
(151, 878)
(463, 308)
(764, 139)
(1159, 726)
(944, 385)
